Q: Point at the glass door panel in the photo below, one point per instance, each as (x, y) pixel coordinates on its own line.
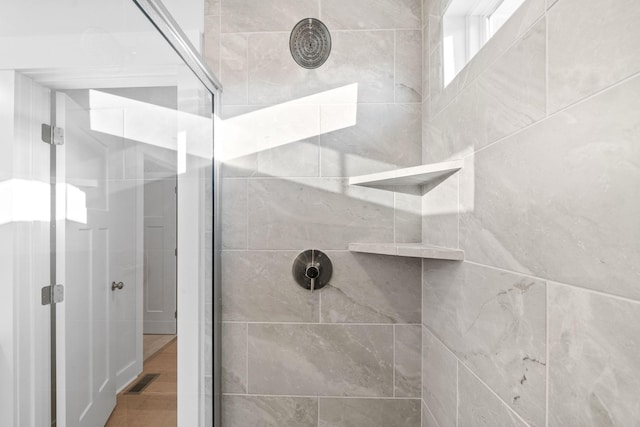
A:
(119, 213)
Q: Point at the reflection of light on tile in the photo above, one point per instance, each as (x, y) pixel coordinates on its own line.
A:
(288, 122)
(236, 137)
(150, 124)
(23, 200)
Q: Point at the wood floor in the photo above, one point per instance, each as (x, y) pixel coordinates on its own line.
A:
(156, 405)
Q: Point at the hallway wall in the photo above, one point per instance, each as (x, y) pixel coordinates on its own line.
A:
(349, 353)
(539, 326)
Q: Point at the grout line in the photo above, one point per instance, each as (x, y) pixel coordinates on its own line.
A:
(320, 142)
(335, 30)
(318, 324)
(431, 413)
(546, 412)
(556, 113)
(547, 281)
(395, 54)
(546, 64)
(461, 363)
(457, 392)
(281, 250)
(247, 357)
(394, 361)
(319, 307)
(458, 213)
(509, 408)
(246, 214)
(247, 64)
(318, 401)
(395, 202)
(307, 396)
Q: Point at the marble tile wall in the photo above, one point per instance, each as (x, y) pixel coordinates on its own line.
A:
(539, 326)
(349, 354)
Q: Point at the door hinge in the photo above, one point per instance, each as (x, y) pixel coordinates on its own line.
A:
(175, 252)
(52, 135)
(52, 294)
(175, 314)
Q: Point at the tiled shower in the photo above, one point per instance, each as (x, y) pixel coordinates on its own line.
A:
(539, 325)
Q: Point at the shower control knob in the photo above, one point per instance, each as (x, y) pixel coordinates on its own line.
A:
(312, 272)
(312, 269)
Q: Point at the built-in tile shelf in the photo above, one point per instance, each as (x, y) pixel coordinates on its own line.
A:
(426, 176)
(429, 175)
(414, 250)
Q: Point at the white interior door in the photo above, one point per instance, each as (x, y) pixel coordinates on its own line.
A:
(160, 256)
(101, 330)
(90, 388)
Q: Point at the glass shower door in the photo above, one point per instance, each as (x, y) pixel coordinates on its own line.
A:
(97, 247)
(131, 121)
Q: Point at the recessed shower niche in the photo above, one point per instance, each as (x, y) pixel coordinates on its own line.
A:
(426, 177)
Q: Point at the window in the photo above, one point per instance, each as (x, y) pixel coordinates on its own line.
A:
(467, 25)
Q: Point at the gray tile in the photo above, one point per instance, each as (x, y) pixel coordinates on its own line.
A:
(426, 65)
(274, 77)
(408, 360)
(509, 96)
(266, 15)
(594, 369)
(266, 411)
(408, 216)
(434, 31)
(234, 213)
(242, 166)
(271, 162)
(296, 159)
(258, 287)
(408, 66)
(437, 7)
(369, 288)
(371, 14)
(335, 412)
(386, 136)
(427, 418)
(234, 68)
(212, 7)
(317, 213)
(440, 214)
(346, 360)
(439, 376)
(559, 200)
(212, 43)
(436, 70)
(598, 49)
(494, 321)
(234, 357)
(479, 407)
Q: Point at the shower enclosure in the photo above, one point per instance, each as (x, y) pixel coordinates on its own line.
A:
(107, 114)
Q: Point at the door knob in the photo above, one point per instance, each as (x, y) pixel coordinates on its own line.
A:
(115, 285)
